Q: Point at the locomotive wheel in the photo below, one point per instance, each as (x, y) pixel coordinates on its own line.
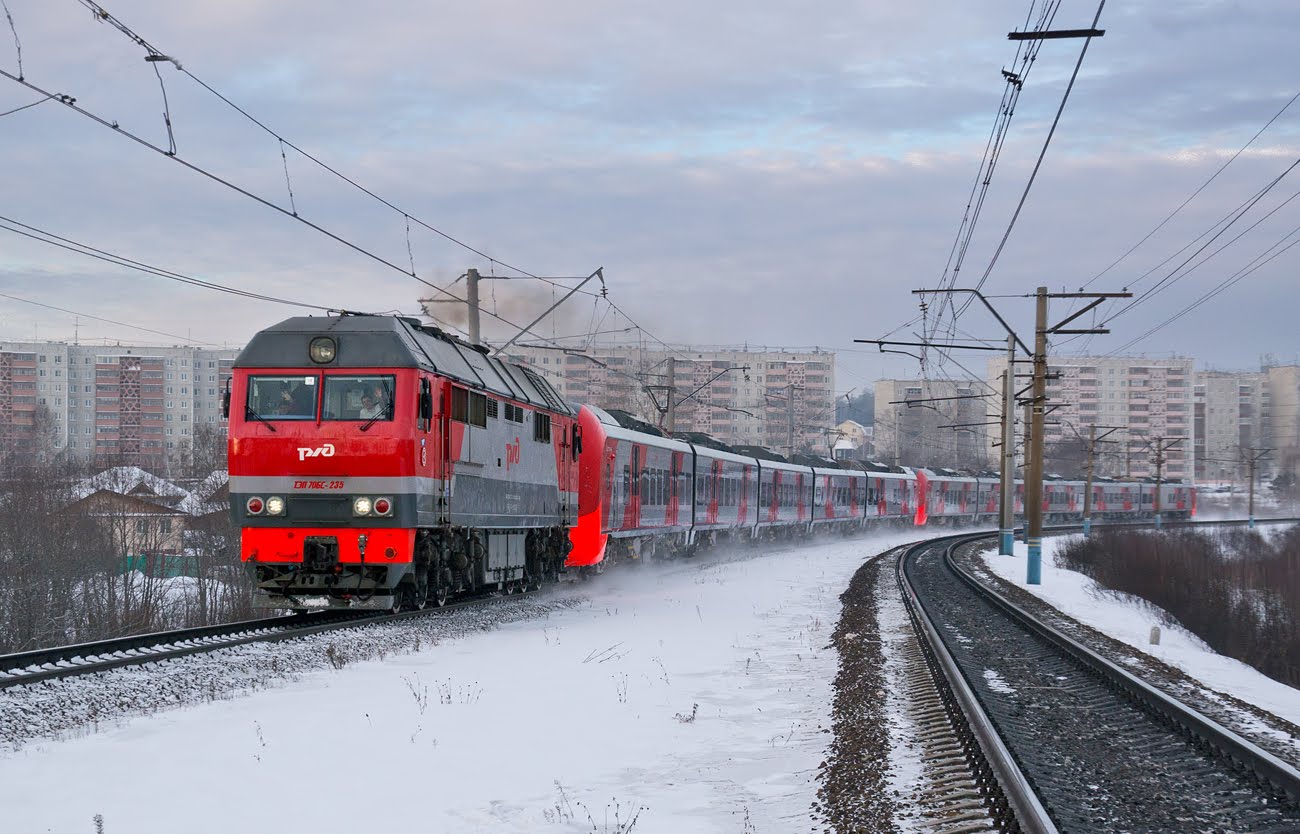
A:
(440, 594)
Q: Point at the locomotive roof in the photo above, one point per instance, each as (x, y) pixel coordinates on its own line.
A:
(396, 342)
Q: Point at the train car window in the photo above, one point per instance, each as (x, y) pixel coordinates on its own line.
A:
(542, 427)
(459, 405)
(282, 397)
(514, 413)
(368, 397)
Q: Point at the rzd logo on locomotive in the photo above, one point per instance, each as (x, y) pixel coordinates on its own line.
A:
(513, 451)
(326, 451)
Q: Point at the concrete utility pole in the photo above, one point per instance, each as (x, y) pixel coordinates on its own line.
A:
(471, 299)
(1034, 474)
(473, 311)
(1160, 449)
(898, 431)
(789, 427)
(1007, 515)
(672, 394)
(1087, 486)
(1254, 458)
(1093, 440)
(1038, 403)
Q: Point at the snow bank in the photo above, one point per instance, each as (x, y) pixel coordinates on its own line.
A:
(1130, 620)
(693, 693)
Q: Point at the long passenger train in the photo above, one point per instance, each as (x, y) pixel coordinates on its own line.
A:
(377, 462)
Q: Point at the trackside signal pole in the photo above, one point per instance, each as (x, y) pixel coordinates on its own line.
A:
(1160, 448)
(1256, 456)
(1093, 440)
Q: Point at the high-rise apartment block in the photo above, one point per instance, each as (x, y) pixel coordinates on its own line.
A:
(1283, 434)
(915, 420)
(121, 404)
(772, 398)
(1232, 415)
(1149, 399)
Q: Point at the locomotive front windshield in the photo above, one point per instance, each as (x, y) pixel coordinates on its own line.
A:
(358, 398)
(282, 397)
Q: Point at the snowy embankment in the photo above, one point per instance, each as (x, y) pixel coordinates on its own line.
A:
(690, 696)
(1129, 620)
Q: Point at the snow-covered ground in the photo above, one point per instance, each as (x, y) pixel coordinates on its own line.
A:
(689, 696)
(1130, 620)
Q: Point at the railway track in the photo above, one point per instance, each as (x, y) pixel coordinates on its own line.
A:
(1065, 740)
(87, 658)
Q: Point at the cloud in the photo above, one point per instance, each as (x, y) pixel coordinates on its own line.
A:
(748, 173)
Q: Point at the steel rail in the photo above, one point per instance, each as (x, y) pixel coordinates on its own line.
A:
(1021, 807)
(1238, 750)
(89, 658)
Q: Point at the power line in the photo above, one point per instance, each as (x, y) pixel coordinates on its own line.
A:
(109, 321)
(70, 102)
(25, 106)
(1041, 154)
(1174, 276)
(1194, 194)
(157, 55)
(1227, 283)
(992, 152)
(52, 239)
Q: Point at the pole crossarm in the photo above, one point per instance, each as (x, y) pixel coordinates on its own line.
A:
(599, 273)
(882, 343)
(1055, 34)
(986, 303)
(1083, 310)
(711, 380)
(910, 403)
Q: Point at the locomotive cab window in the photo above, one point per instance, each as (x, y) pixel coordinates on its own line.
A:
(282, 397)
(354, 397)
(541, 427)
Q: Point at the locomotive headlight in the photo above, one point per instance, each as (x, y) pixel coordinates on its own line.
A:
(383, 506)
(322, 350)
(254, 506)
(275, 505)
(361, 506)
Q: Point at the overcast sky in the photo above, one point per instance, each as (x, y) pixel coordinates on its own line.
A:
(744, 172)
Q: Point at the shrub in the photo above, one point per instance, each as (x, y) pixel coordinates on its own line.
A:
(1235, 589)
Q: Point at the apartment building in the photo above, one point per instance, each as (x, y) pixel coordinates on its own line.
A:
(1231, 415)
(122, 403)
(766, 397)
(916, 423)
(1283, 434)
(1150, 400)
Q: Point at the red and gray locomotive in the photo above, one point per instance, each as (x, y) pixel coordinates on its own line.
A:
(377, 462)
